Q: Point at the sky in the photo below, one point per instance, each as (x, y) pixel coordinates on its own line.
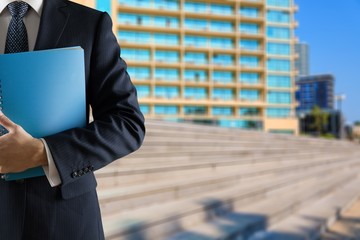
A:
(332, 30)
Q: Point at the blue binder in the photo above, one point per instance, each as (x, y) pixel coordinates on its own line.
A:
(44, 92)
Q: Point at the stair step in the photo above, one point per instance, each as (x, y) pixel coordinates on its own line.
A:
(123, 176)
(159, 222)
(309, 221)
(146, 194)
(243, 222)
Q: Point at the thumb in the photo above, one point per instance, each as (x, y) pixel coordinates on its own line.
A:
(6, 122)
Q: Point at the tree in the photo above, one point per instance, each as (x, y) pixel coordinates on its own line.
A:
(357, 123)
(321, 120)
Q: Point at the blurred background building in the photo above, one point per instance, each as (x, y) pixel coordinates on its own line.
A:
(316, 91)
(302, 62)
(225, 63)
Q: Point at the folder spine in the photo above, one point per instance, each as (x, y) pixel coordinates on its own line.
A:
(2, 129)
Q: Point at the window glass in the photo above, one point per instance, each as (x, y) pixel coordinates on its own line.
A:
(279, 97)
(223, 77)
(249, 95)
(223, 94)
(278, 32)
(166, 110)
(196, 75)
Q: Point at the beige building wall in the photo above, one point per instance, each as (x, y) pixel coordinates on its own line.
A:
(89, 3)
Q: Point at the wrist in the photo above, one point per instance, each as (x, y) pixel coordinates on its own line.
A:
(39, 156)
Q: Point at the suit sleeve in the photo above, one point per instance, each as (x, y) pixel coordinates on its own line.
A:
(118, 126)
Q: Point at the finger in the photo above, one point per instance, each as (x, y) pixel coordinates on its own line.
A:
(6, 122)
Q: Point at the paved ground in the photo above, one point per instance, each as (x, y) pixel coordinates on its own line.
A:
(347, 227)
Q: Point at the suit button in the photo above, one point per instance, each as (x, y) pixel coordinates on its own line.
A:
(86, 170)
(74, 175)
(91, 168)
(81, 173)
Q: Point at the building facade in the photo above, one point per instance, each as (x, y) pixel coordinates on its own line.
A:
(302, 62)
(315, 90)
(224, 62)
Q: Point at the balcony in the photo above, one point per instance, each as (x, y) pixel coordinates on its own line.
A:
(169, 7)
(257, 3)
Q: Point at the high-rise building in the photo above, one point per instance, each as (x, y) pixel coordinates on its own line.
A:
(302, 62)
(224, 62)
(316, 90)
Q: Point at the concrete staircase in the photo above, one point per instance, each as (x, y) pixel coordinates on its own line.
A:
(191, 182)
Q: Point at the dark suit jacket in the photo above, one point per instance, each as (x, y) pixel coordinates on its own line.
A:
(33, 210)
(118, 127)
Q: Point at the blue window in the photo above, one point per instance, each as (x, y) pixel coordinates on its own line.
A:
(195, 7)
(195, 93)
(167, 74)
(222, 43)
(250, 45)
(136, 3)
(279, 3)
(279, 81)
(221, 26)
(279, 48)
(278, 16)
(170, 22)
(249, 61)
(256, 125)
(196, 58)
(196, 24)
(249, 95)
(278, 32)
(249, 78)
(196, 41)
(278, 112)
(221, 9)
(134, 37)
(249, 112)
(133, 54)
(166, 92)
(223, 59)
(166, 4)
(133, 19)
(166, 110)
(143, 91)
(279, 97)
(145, 109)
(251, 12)
(249, 28)
(195, 110)
(223, 94)
(280, 65)
(166, 56)
(222, 111)
(146, 20)
(139, 73)
(166, 39)
(196, 76)
(223, 77)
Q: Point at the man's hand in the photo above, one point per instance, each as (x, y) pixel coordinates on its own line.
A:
(18, 149)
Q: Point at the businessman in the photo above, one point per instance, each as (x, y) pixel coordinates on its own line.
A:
(63, 204)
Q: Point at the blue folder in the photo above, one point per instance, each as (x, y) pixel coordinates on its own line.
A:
(44, 92)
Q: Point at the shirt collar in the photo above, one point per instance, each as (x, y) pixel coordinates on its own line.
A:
(35, 4)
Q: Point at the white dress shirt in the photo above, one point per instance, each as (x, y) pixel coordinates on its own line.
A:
(32, 23)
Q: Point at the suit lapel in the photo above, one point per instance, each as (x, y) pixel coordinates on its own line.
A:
(53, 20)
